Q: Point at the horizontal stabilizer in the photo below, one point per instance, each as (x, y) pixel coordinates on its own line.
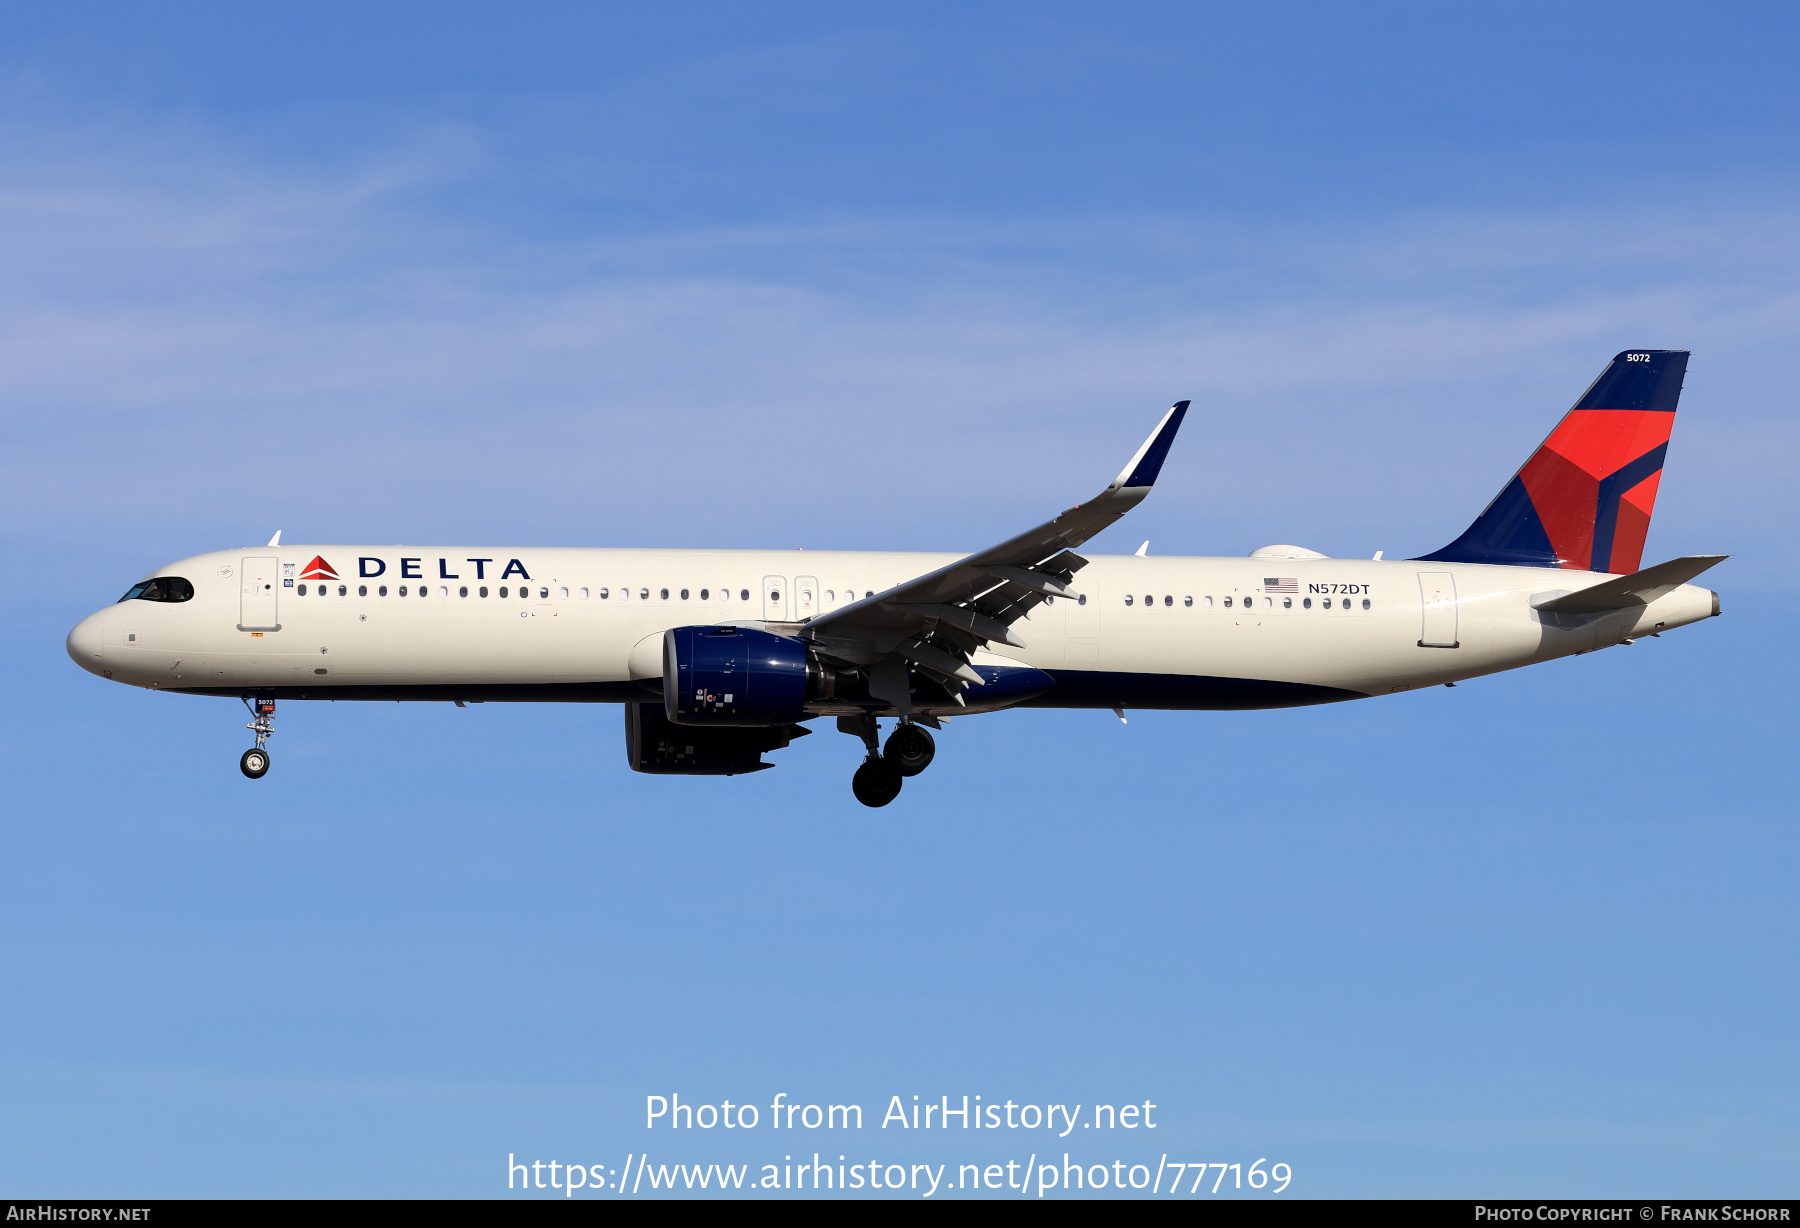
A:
(1638, 588)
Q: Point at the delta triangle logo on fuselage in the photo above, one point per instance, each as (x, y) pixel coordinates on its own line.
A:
(319, 569)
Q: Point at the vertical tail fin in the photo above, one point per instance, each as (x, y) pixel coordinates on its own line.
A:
(1583, 500)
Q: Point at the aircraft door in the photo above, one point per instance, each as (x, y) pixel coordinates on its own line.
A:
(774, 591)
(258, 594)
(1437, 598)
(806, 597)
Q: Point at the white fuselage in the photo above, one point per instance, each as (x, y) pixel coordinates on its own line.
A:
(586, 624)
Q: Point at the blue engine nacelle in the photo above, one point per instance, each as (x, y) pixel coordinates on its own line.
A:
(738, 676)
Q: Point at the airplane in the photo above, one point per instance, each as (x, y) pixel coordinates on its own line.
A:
(720, 656)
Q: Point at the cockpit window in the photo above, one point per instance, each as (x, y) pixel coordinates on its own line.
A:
(163, 588)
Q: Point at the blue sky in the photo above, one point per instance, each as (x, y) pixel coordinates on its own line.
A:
(796, 276)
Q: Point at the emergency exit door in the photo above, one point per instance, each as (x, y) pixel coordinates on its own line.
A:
(774, 591)
(1437, 598)
(260, 590)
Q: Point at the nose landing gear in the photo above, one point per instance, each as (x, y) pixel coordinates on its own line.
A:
(909, 751)
(255, 761)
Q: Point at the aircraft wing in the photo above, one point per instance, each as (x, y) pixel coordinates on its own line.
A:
(938, 619)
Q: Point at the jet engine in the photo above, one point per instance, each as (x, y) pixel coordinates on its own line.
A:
(727, 676)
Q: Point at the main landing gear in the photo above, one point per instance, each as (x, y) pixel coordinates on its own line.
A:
(255, 762)
(909, 751)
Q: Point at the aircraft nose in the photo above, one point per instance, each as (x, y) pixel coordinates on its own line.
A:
(85, 643)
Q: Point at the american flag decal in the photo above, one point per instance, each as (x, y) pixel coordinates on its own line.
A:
(1272, 584)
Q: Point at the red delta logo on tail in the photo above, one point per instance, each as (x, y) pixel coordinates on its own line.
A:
(1593, 483)
(1583, 501)
(318, 569)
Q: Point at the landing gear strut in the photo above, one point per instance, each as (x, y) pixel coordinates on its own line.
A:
(255, 761)
(909, 752)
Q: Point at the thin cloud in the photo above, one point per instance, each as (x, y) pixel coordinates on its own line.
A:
(956, 373)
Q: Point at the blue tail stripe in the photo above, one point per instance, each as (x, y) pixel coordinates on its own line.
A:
(1606, 522)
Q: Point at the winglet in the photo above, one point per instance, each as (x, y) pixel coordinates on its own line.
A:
(276, 540)
(1142, 469)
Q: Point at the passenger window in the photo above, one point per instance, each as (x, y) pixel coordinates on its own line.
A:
(503, 590)
(706, 594)
(402, 590)
(830, 595)
(584, 594)
(743, 594)
(321, 590)
(1127, 598)
(444, 590)
(1206, 602)
(1081, 600)
(1188, 601)
(482, 590)
(1149, 600)
(563, 592)
(664, 592)
(302, 590)
(643, 594)
(1287, 603)
(1326, 603)
(343, 591)
(1167, 600)
(462, 590)
(382, 591)
(1268, 603)
(604, 593)
(1306, 603)
(1365, 603)
(1228, 603)
(684, 594)
(544, 593)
